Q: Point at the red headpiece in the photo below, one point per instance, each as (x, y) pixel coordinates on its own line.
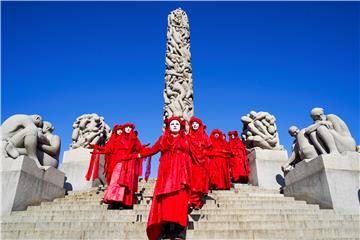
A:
(233, 133)
(129, 124)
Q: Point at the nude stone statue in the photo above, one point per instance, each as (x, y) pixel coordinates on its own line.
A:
(31, 136)
(302, 149)
(20, 135)
(260, 131)
(89, 129)
(49, 146)
(329, 134)
(178, 91)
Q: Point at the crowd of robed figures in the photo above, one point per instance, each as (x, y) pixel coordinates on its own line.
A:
(190, 164)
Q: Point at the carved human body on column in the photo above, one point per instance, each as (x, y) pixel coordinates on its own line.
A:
(178, 92)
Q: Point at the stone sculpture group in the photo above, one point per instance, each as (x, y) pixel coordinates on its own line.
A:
(178, 92)
(260, 131)
(31, 136)
(327, 135)
(323, 149)
(89, 129)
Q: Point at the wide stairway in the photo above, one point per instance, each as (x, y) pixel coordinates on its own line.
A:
(244, 212)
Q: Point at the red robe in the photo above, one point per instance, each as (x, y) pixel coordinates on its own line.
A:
(172, 189)
(124, 180)
(239, 161)
(199, 143)
(219, 167)
(111, 151)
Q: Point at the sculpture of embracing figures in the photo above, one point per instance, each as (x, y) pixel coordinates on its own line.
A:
(327, 135)
(260, 131)
(89, 129)
(31, 136)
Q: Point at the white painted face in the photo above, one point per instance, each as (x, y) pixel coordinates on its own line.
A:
(118, 132)
(128, 129)
(232, 136)
(216, 135)
(174, 126)
(195, 125)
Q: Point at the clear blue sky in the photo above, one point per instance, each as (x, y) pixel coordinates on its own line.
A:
(64, 59)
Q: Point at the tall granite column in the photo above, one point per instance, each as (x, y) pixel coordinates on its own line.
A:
(178, 92)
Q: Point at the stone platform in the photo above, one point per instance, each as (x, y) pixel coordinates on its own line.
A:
(265, 167)
(24, 183)
(75, 164)
(332, 181)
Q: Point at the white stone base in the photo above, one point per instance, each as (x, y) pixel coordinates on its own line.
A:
(265, 167)
(330, 180)
(23, 184)
(75, 164)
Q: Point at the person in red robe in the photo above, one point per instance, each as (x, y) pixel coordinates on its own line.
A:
(111, 151)
(238, 162)
(199, 143)
(124, 180)
(169, 208)
(219, 167)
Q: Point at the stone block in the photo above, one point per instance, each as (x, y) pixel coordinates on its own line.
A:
(265, 167)
(24, 183)
(330, 180)
(75, 164)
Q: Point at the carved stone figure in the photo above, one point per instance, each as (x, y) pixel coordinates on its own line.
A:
(29, 135)
(89, 129)
(302, 148)
(48, 146)
(327, 135)
(178, 92)
(260, 131)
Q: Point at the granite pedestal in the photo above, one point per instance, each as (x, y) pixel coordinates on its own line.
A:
(75, 164)
(330, 180)
(265, 167)
(24, 183)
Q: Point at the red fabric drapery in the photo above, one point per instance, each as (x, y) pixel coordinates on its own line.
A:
(219, 155)
(239, 162)
(172, 187)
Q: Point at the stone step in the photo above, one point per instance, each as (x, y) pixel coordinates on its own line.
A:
(334, 233)
(237, 191)
(78, 225)
(226, 225)
(277, 205)
(216, 211)
(74, 234)
(192, 217)
(317, 234)
(243, 200)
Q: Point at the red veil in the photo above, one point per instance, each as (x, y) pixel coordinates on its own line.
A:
(199, 143)
(219, 161)
(171, 194)
(239, 162)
